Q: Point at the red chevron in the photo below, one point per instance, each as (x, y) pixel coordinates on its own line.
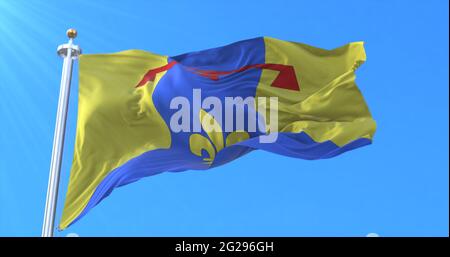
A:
(286, 78)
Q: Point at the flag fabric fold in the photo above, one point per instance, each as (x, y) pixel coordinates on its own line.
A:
(125, 109)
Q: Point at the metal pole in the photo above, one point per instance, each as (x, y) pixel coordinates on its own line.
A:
(69, 52)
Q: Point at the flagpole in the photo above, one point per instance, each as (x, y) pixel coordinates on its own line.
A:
(69, 52)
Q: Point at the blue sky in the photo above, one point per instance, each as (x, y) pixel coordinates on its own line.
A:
(398, 186)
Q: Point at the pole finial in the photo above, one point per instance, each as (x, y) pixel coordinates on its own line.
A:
(74, 49)
(71, 33)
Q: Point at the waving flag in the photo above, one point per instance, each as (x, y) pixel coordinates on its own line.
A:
(130, 124)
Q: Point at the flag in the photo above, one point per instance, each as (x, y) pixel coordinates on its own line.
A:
(140, 114)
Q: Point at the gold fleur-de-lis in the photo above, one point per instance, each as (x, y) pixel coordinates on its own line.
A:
(214, 142)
